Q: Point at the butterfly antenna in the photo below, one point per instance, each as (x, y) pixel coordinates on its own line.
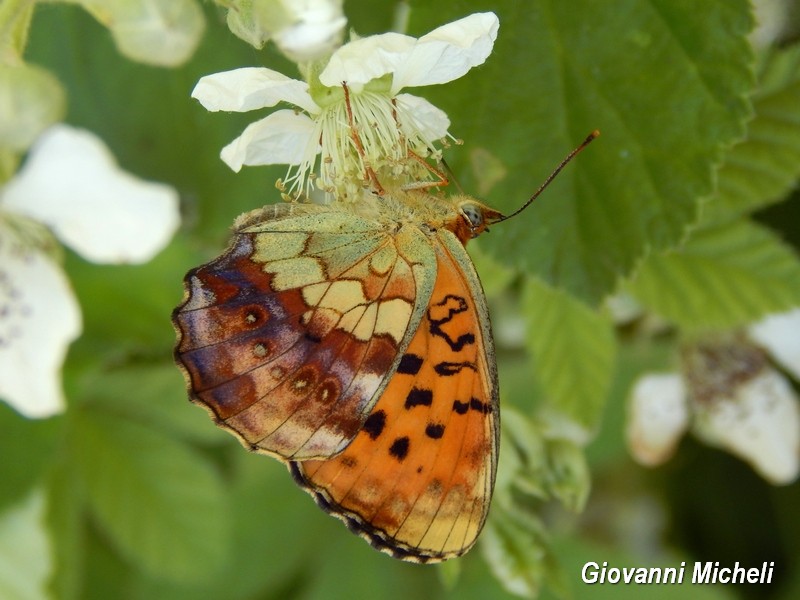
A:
(552, 176)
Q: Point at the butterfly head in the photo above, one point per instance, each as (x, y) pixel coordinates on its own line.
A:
(472, 219)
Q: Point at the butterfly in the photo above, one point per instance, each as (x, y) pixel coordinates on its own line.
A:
(352, 342)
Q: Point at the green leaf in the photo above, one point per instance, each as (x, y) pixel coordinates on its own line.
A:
(512, 543)
(25, 559)
(127, 307)
(349, 568)
(27, 446)
(65, 522)
(162, 506)
(666, 82)
(494, 275)
(725, 275)
(155, 395)
(568, 474)
(573, 350)
(522, 463)
(449, 573)
(764, 167)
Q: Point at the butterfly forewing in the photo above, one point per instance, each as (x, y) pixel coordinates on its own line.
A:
(417, 479)
(289, 337)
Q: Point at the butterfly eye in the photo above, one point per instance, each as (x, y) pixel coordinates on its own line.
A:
(474, 216)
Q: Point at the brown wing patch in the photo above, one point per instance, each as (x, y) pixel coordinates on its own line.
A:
(287, 337)
(417, 479)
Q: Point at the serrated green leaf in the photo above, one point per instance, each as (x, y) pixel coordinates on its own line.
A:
(522, 459)
(513, 547)
(764, 167)
(573, 350)
(569, 480)
(724, 276)
(163, 506)
(665, 81)
(25, 559)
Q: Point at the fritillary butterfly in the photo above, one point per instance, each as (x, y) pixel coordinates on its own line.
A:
(353, 343)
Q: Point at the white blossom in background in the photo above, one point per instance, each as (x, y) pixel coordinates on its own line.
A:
(304, 30)
(26, 550)
(658, 415)
(72, 185)
(730, 397)
(164, 33)
(780, 334)
(773, 20)
(389, 125)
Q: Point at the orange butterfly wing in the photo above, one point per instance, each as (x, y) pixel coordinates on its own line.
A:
(417, 479)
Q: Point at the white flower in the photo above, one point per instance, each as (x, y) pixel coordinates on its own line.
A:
(26, 549)
(315, 28)
(71, 184)
(304, 30)
(163, 33)
(730, 397)
(658, 415)
(781, 335)
(360, 128)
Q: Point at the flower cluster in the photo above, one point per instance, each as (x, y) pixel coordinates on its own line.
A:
(351, 125)
(69, 187)
(731, 397)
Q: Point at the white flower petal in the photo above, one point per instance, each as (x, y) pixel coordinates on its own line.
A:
(760, 424)
(315, 31)
(72, 183)
(308, 41)
(780, 334)
(657, 416)
(280, 138)
(251, 88)
(368, 58)
(158, 33)
(448, 52)
(39, 317)
(26, 548)
(417, 114)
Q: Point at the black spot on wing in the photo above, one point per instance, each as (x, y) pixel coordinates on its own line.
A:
(418, 397)
(374, 424)
(410, 364)
(460, 407)
(446, 369)
(434, 430)
(481, 407)
(399, 448)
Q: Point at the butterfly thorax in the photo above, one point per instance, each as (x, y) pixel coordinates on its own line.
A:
(464, 216)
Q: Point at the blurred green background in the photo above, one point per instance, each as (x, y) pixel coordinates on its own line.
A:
(147, 499)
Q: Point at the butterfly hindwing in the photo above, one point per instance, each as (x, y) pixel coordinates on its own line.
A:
(417, 479)
(290, 336)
